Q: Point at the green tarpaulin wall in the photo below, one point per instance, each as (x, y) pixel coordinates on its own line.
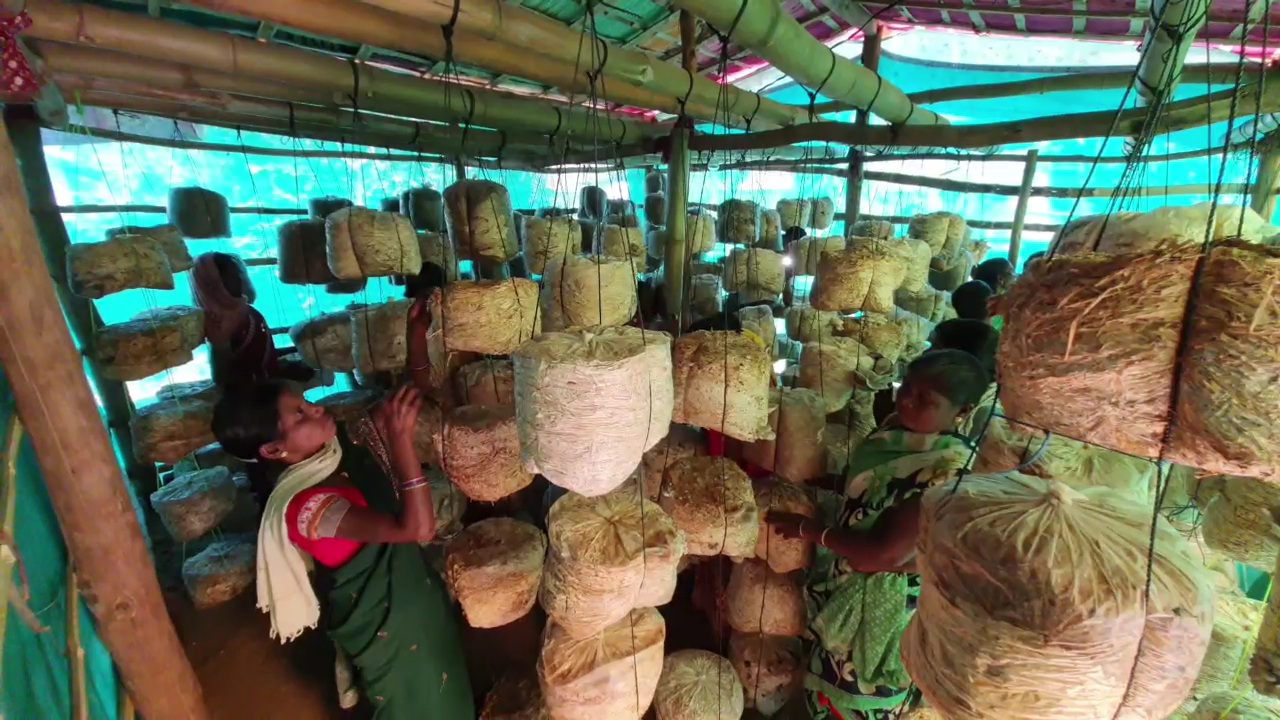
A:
(36, 680)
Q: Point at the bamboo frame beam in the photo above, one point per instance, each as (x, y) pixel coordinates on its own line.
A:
(1215, 74)
(78, 678)
(1020, 211)
(506, 38)
(80, 471)
(425, 136)
(361, 23)
(783, 42)
(206, 146)
(376, 89)
(1263, 196)
(1169, 36)
(1181, 115)
(675, 251)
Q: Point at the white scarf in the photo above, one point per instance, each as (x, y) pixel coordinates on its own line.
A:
(284, 589)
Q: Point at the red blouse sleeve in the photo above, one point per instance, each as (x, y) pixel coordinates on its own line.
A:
(310, 528)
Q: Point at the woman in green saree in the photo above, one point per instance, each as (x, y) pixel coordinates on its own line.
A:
(385, 607)
(863, 585)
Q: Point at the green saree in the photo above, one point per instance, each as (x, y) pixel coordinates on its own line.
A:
(389, 611)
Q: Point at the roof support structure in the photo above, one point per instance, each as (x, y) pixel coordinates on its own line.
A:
(779, 39)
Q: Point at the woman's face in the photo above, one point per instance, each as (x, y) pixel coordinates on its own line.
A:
(304, 428)
(922, 409)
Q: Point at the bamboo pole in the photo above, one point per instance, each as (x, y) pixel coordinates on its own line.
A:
(376, 89)
(8, 518)
(853, 183)
(1216, 74)
(205, 146)
(509, 23)
(1170, 34)
(80, 472)
(431, 137)
(675, 261)
(81, 315)
(1180, 115)
(75, 649)
(776, 36)
(1020, 211)
(1263, 196)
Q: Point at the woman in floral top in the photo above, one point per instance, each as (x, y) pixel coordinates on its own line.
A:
(863, 585)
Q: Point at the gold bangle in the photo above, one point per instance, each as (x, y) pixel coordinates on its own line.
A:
(822, 539)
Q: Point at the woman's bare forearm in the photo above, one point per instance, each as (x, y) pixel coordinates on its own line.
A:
(420, 362)
(417, 514)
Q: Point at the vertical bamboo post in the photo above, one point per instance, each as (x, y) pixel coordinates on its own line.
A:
(82, 316)
(81, 473)
(8, 516)
(675, 252)
(1262, 198)
(75, 649)
(853, 182)
(1020, 212)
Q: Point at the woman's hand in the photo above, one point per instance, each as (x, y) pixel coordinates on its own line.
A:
(419, 316)
(788, 525)
(398, 415)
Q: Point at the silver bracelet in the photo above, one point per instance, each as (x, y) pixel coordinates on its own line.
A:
(822, 539)
(414, 484)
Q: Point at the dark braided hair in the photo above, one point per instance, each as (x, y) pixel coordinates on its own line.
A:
(953, 374)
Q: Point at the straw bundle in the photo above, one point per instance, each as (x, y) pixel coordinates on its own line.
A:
(364, 243)
(95, 270)
(1225, 668)
(515, 697)
(863, 277)
(324, 342)
(587, 400)
(655, 209)
(171, 242)
(700, 231)
(754, 268)
(957, 237)
(611, 675)
(953, 275)
(698, 685)
(626, 243)
(1101, 233)
(301, 257)
(917, 258)
(931, 228)
(706, 297)
(345, 287)
(599, 550)
(782, 555)
(752, 294)
(220, 572)
(824, 213)
(664, 557)
(479, 450)
(1234, 705)
(437, 249)
(765, 602)
(806, 252)
(681, 441)
(722, 382)
(1063, 619)
(447, 502)
(322, 207)
(771, 669)
(349, 406)
(655, 182)
(710, 499)
(494, 568)
(739, 222)
(548, 241)
(593, 203)
(837, 366)
(916, 332)
(798, 417)
(1264, 666)
(480, 221)
(838, 442)
(194, 503)
(166, 431)
(425, 209)
(1233, 357)
(622, 213)
(874, 229)
(758, 319)
(795, 212)
(1244, 533)
(488, 381)
(588, 291)
(199, 390)
(878, 333)
(378, 339)
(1089, 346)
(805, 324)
(930, 303)
(978, 249)
(163, 336)
(770, 231)
(199, 214)
(490, 317)
(923, 713)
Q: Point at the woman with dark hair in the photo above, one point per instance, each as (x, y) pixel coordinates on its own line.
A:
(863, 583)
(241, 351)
(385, 607)
(980, 340)
(971, 300)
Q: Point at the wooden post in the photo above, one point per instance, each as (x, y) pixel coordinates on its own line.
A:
(675, 252)
(1262, 197)
(75, 650)
(82, 316)
(80, 471)
(8, 516)
(1020, 212)
(853, 181)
